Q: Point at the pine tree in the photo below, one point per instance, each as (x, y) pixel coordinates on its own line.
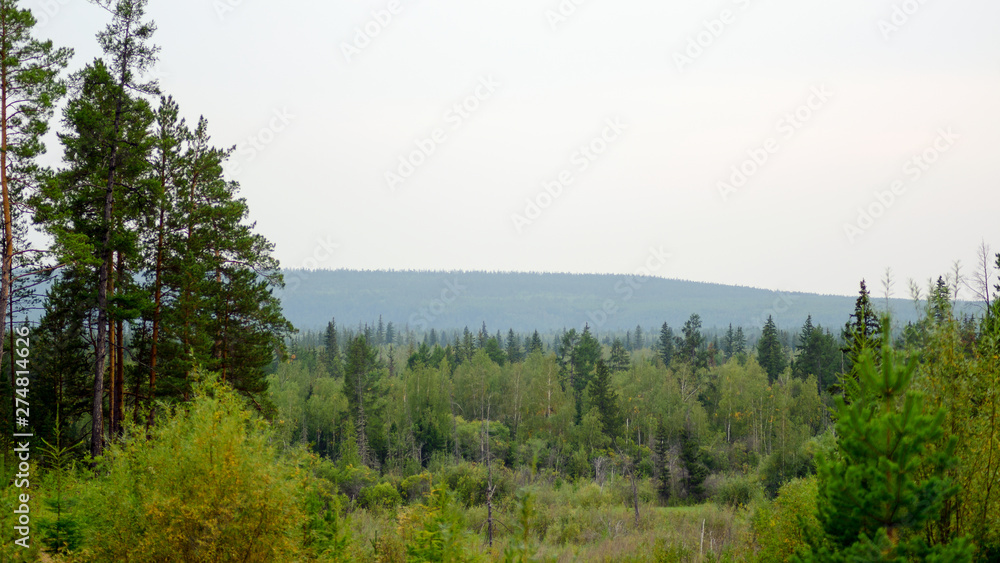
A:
(637, 340)
(91, 209)
(30, 87)
(888, 477)
(666, 346)
(770, 355)
(390, 334)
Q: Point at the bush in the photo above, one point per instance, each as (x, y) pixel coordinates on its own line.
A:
(208, 486)
(738, 491)
(379, 497)
(781, 526)
(416, 487)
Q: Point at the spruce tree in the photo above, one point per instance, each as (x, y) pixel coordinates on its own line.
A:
(863, 332)
(694, 469)
(605, 398)
(692, 341)
(619, 356)
(332, 350)
(888, 477)
(513, 347)
(666, 344)
(661, 447)
(770, 354)
(536, 344)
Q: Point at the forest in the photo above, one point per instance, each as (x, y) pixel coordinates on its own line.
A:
(162, 407)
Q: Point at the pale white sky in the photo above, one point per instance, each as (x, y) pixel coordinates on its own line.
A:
(643, 107)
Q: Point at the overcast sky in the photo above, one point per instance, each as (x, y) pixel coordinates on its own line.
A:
(785, 144)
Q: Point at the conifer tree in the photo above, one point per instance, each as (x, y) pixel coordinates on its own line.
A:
(514, 354)
(619, 357)
(536, 344)
(92, 208)
(862, 333)
(887, 479)
(332, 353)
(605, 398)
(30, 87)
(359, 376)
(666, 347)
(663, 481)
(769, 352)
(694, 469)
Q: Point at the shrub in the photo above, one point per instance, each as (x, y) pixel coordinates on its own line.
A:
(416, 486)
(208, 486)
(738, 491)
(379, 497)
(781, 526)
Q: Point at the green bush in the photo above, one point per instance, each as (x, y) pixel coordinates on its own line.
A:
(416, 487)
(738, 491)
(382, 496)
(780, 527)
(208, 486)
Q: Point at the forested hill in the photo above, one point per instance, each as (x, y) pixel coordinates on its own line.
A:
(530, 301)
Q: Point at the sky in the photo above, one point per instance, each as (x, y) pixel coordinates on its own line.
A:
(792, 145)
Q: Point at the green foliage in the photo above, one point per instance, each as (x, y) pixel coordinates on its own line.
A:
(886, 482)
(769, 351)
(60, 532)
(861, 334)
(207, 486)
(382, 496)
(435, 531)
(694, 468)
(416, 487)
(781, 528)
(605, 399)
(738, 491)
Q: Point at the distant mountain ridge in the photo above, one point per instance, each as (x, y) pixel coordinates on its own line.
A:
(548, 302)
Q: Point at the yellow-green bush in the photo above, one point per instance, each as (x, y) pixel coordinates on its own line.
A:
(207, 486)
(382, 496)
(780, 527)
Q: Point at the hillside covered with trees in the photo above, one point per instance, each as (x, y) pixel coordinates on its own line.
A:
(164, 408)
